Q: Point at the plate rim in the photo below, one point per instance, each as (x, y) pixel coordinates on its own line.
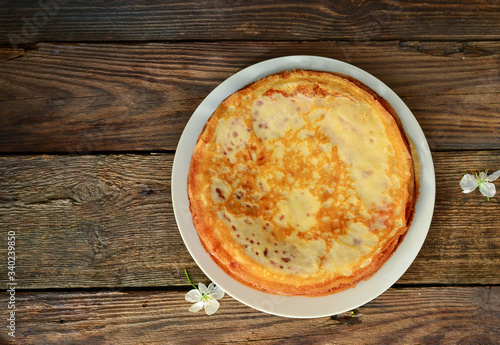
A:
(276, 304)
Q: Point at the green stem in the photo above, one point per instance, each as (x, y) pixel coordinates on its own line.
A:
(185, 271)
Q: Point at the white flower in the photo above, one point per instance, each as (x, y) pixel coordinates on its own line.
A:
(470, 182)
(205, 297)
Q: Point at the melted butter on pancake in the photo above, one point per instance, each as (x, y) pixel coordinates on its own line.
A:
(232, 135)
(284, 117)
(299, 210)
(353, 129)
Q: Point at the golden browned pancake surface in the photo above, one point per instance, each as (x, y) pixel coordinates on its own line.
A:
(301, 184)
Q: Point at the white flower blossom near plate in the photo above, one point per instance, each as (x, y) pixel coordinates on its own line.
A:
(470, 182)
(294, 306)
(205, 297)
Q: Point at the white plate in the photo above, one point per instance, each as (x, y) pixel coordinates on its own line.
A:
(303, 307)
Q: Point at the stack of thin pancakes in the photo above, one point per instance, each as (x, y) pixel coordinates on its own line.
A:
(302, 183)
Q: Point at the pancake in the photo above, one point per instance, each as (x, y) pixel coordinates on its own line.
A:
(302, 184)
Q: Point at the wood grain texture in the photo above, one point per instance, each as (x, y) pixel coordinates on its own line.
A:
(469, 315)
(10, 53)
(465, 230)
(81, 98)
(25, 21)
(92, 92)
(107, 221)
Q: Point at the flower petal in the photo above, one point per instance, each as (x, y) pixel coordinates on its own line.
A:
(487, 189)
(203, 288)
(493, 176)
(193, 296)
(215, 291)
(211, 306)
(468, 183)
(196, 307)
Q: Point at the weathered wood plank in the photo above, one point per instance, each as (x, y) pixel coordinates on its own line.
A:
(24, 22)
(445, 315)
(465, 227)
(107, 221)
(10, 53)
(81, 98)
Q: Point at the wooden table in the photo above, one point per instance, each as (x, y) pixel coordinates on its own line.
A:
(93, 99)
